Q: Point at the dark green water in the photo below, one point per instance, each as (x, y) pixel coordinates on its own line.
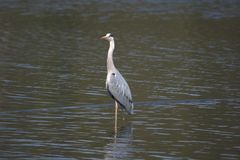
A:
(180, 58)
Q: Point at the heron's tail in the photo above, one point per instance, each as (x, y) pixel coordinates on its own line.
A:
(128, 108)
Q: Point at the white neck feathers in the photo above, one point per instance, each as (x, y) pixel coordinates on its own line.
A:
(110, 64)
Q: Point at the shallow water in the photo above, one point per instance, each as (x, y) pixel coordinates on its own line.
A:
(180, 58)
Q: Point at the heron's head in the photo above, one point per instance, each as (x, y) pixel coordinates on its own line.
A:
(108, 36)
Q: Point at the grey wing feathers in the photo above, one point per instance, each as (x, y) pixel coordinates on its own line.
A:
(120, 91)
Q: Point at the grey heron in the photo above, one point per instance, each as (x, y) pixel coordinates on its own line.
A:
(116, 85)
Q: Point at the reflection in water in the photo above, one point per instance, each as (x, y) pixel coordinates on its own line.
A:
(121, 147)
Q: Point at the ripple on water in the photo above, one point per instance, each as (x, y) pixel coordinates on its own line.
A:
(79, 126)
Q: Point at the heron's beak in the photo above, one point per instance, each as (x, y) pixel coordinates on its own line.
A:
(103, 37)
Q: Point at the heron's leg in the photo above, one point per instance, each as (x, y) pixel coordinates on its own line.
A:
(122, 113)
(116, 112)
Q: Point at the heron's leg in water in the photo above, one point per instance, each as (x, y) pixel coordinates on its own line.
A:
(116, 112)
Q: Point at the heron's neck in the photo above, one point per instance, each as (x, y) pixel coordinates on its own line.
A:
(110, 64)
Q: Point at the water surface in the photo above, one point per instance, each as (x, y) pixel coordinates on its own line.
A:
(180, 58)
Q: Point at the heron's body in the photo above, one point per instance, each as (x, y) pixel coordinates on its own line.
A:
(115, 83)
(119, 90)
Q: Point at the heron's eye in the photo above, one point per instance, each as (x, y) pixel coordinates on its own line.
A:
(111, 35)
(113, 74)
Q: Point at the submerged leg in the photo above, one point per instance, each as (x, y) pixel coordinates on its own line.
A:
(116, 112)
